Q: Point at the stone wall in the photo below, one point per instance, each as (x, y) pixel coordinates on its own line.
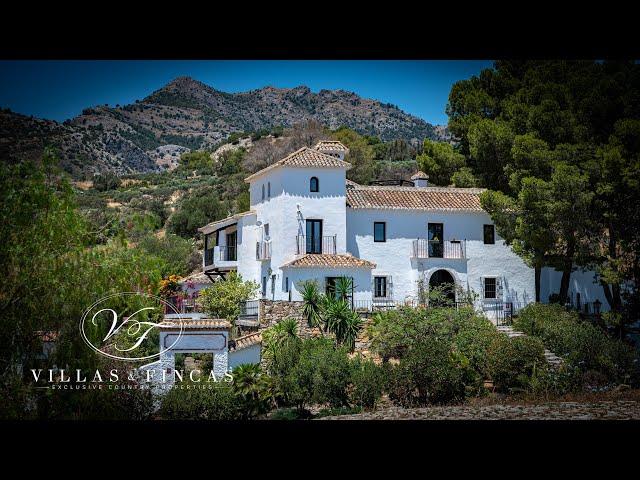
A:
(274, 311)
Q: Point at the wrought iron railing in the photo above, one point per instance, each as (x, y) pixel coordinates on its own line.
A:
(325, 244)
(208, 257)
(249, 308)
(379, 305)
(228, 253)
(181, 304)
(423, 248)
(263, 250)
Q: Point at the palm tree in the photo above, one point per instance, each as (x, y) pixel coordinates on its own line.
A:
(253, 389)
(312, 304)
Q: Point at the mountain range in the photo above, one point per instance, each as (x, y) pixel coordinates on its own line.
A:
(186, 114)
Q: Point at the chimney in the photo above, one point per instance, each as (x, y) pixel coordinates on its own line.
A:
(420, 179)
(332, 147)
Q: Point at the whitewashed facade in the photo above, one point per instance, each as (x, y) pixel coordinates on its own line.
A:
(308, 222)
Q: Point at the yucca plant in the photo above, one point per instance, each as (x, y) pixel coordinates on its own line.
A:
(312, 304)
(343, 322)
(343, 288)
(274, 338)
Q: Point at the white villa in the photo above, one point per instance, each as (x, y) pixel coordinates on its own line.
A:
(308, 222)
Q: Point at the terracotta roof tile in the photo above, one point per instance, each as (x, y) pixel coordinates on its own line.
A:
(419, 175)
(323, 260)
(415, 198)
(245, 341)
(196, 324)
(305, 158)
(330, 145)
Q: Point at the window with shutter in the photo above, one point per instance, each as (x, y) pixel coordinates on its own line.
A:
(499, 284)
(490, 287)
(380, 287)
(390, 287)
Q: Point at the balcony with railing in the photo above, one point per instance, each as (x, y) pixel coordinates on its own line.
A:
(221, 256)
(228, 253)
(179, 304)
(263, 250)
(317, 244)
(454, 249)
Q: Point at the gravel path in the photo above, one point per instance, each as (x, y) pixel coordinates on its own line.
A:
(604, 410)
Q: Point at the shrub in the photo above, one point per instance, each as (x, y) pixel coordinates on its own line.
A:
(550, 382)
(474, 339)
(196, 159)
(253, 390)
(223, 298)
(512, 361)
(196, 210)
(207, 401)
(180, 255)
(106, 181)
(582, 344)
(325, 369)
(429, 373)
(97, 404)
(368, 381)
(311, 371)
(393, 332)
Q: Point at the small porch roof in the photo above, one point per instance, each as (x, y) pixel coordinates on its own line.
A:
(323, 260)
(225, 222)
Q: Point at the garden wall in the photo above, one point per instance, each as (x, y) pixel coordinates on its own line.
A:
(273, 311)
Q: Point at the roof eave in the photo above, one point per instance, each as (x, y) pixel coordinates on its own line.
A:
(260, 173)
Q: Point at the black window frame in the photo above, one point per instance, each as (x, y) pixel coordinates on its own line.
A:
(330, 286)
(232, 246)
(314, 240)
(383, 283)
(268, 189)
(384, 232)
(435, 247)
(317, 185)
(263, 192)
(485, 230)
(495, 288)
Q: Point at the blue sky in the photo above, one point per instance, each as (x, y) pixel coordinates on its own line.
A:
(59, 90)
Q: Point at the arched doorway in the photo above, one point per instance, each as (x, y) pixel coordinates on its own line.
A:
(444, 282)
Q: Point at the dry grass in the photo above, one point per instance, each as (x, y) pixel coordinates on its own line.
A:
(83, 185)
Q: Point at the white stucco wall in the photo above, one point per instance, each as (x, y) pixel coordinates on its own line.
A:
(250, 354)
(582, 281)
(290, 188)
(291, 203)
(361, 280)
(393, 257)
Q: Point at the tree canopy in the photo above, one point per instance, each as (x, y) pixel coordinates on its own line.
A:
(556, 143)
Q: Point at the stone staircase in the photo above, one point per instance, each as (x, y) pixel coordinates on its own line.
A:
(509, 331)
